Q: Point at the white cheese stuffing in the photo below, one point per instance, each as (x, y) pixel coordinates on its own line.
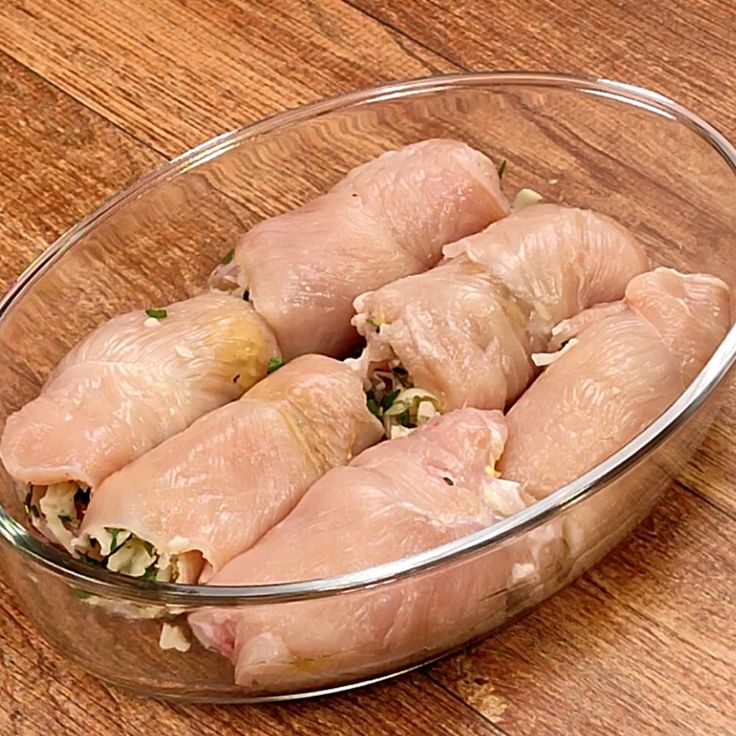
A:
(131, 558)
(57, 506)
(150, 322)
(525, 198)
(421, 404)
(545, 359)
(174, 637)
(397, 431)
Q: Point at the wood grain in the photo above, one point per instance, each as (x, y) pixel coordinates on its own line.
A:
(240, 60)
(643, 644)
(94, 93)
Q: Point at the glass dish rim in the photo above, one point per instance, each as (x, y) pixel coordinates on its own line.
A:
(105, 583)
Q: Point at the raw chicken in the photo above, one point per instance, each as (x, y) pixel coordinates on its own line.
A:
(623, 370)
(133, 382)
(386, 219)
(213, 490)
(558, 260)
(625, 364)
(466, 330)
(394, 500)
(457, 333)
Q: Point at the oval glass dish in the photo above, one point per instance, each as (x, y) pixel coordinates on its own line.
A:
(630, 153)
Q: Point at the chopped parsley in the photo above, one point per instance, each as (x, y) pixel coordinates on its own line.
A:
(157, 313)
(501, 168)
(404, 419)
(373, 406)
(389, 399)
(115, 533)
(228, 257)
(274, 364)
(150, 573)
(81, 595)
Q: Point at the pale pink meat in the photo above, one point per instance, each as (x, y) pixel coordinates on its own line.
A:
(222, 483)
(396, 499)
(466, 329)
(387, 219)
(457, 333)
(558, 260)
(625, 369)
(132, 383)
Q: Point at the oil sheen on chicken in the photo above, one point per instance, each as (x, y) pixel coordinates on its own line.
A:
(483, 314)
(393, 500)
(626, 363)
(386, 219)
(133, 382)
(215, 488)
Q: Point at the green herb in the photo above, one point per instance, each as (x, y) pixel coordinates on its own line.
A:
(150, 573)
(115, 533)
(246, 295)
(156, 313)
(274, 364)
(228, 257)
(405, 419)
(501, 168)
(373, 407)
(449, 481)
(148, 547)
(389, 399)
(81, 595)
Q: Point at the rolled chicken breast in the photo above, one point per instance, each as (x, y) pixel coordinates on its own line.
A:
(465, 331)
(211, 491)
(132, 383)
(386, 219)
(396, 499)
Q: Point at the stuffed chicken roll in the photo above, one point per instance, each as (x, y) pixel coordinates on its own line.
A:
(132, 383)
(386, 219)
(211, 491)
(465, 331)
(622, 366)
(398, 498)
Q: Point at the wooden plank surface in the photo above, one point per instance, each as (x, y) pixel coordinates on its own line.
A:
(94, 93)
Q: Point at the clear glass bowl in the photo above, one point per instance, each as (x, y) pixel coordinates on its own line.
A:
(628, 152)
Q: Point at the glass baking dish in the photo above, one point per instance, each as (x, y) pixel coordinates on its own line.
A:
(625, 151)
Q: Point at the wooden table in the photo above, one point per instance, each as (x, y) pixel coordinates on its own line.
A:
(95, 92)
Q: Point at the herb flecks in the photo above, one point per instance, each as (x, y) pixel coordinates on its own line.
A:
(274, 364)
(228, 257)
(157, 313)
(373, 406)
(389, 399)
